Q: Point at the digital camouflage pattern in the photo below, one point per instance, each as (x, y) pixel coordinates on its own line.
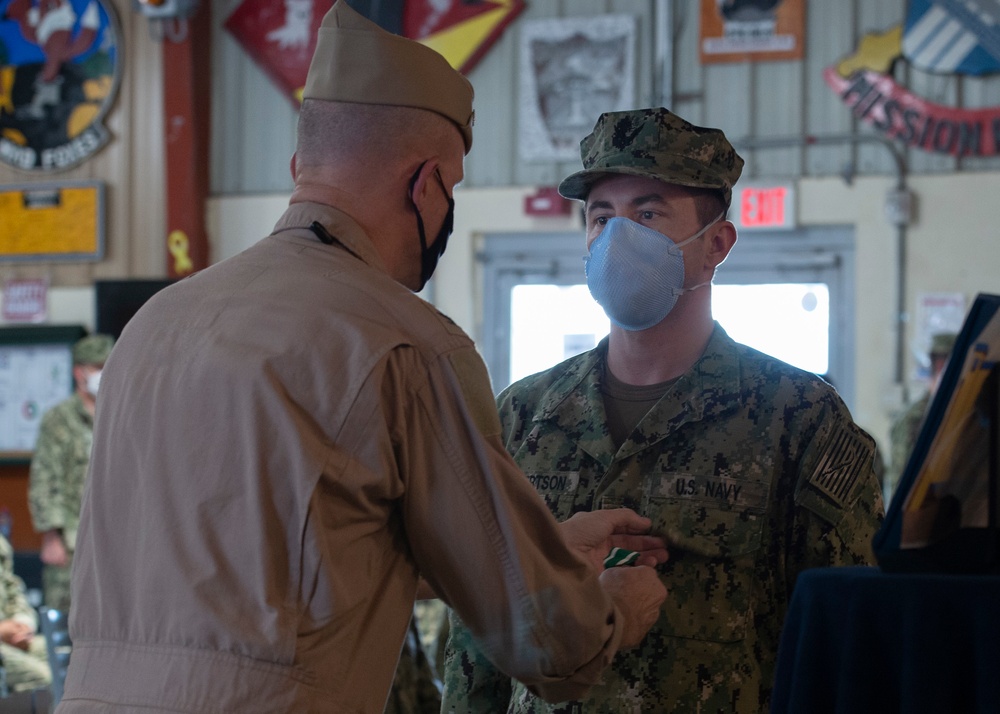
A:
(415, 687)
(902, 436)
(55, 485)
(752, 469)
(655, 143)
(23, 669)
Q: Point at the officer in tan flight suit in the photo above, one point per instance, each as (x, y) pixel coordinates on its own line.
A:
(289, 438)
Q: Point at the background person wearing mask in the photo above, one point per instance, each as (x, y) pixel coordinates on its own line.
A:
(59, 468)
(288, 439)
(751, 469)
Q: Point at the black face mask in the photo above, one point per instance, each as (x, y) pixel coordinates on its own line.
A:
(429, 254)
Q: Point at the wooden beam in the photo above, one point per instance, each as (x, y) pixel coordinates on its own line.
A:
(186, 93)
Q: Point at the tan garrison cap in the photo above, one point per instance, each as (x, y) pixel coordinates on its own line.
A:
(93, 349)
(358, 61)
(658, 144)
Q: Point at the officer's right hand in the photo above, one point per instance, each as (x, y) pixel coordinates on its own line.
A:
(638, 594)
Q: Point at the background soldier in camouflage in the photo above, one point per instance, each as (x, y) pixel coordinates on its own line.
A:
(415, 687)
(23, 652)
(59, 468)
(904, 430)
(752, 469)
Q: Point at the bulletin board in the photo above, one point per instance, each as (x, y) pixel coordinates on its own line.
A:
(52, 221)
(36, 373)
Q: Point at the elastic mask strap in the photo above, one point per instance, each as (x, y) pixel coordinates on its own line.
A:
(700, 233)
(677, 292)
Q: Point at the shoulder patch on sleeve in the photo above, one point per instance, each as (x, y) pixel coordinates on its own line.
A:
(474, 380)
(844, 463)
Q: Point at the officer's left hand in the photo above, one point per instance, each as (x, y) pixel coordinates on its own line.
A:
(594, 534)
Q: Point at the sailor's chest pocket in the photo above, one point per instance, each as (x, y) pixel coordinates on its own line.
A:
(713, 527)
(558, 488)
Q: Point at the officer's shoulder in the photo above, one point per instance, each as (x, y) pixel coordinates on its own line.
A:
(446, 325)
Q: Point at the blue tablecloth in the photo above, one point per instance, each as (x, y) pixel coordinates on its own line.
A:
(859, 640)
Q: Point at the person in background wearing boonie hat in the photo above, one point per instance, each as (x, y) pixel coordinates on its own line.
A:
(288, 439)
(752, 469)
(59, 468)
(904, 430)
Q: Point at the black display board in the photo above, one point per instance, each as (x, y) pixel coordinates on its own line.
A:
(118, 300)
(944, 515)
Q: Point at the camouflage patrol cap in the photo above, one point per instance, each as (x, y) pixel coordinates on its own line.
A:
(93, 349)
(658, 144)
(357, 61)
(942, 343)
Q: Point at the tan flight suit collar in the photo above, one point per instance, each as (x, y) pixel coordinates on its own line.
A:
(345, 231)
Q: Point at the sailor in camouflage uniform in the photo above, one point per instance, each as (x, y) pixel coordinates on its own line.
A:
(904, 430)
(752, 469)
(415, 686)
(23, 653)
(59, 468)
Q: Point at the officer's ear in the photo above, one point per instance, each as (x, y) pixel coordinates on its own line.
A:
(421, 183)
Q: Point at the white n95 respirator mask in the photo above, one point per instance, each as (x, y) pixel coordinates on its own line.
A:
(636, 273)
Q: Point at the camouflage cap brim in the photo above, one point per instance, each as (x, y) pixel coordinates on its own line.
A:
(579, 185)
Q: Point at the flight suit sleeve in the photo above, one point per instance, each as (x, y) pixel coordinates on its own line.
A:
(482, 536)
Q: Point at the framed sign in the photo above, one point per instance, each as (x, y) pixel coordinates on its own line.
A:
(36, 373)
(751, 30)
(60, 68)
(52, 221)
(572, 70)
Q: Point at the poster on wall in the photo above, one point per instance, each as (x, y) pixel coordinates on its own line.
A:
(462, 32)
(751, 30)
(46, 221)
(59, 74)
(36, 373)
(572, 70)
(33, 379)
(944, 36)
(25, 300)
(937, 312)
(280, 35)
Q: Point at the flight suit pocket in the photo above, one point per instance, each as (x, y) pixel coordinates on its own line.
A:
(713, 528)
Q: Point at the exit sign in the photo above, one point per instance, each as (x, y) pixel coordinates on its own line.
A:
(764, 207)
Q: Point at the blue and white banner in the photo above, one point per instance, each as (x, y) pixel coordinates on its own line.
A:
(953, 36)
